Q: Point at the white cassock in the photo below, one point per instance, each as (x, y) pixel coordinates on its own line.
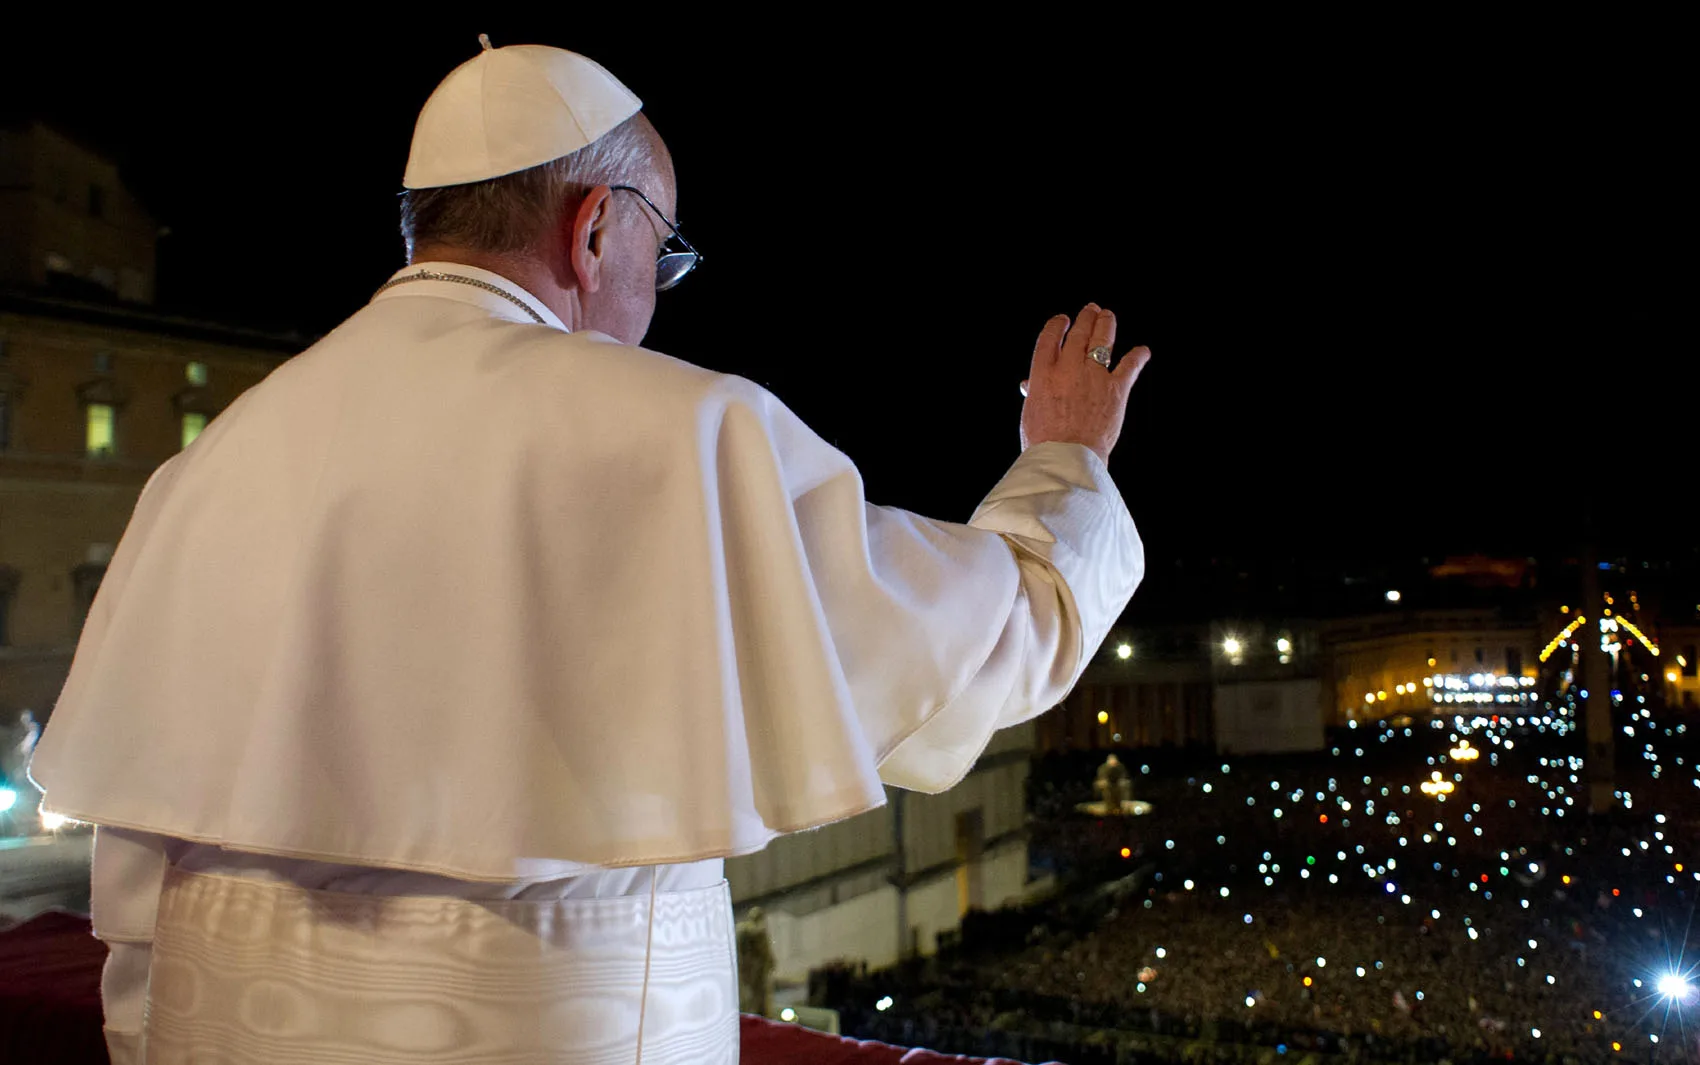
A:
(428, 689)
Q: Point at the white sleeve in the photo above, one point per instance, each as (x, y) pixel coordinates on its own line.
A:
(936, 633)
(1079, 559)
(128, 874)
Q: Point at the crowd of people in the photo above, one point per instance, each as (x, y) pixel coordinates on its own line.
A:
(1329, 905)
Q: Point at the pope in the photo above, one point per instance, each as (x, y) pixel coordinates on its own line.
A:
(429, 689)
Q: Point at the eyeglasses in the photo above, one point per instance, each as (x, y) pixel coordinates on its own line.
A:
(670, 266)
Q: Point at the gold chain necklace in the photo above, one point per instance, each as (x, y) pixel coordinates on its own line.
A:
(433, 275)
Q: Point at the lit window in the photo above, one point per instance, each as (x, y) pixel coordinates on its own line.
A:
(192, 426)
(102, 422)
(197, 374)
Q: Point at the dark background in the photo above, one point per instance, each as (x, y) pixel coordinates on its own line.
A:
(1411, 289)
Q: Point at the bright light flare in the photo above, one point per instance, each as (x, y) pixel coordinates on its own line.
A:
(1124, 651)
(883, 1004)
(52, 822)
(8, 799)
(1231, 646)
(1675, 985)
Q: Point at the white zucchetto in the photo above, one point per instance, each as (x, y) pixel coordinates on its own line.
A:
(509, 109)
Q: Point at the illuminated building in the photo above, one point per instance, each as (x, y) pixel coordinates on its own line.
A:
(1680, 665)
(1233, 686)
(1420, 662)
(893, 882)
(96, 390)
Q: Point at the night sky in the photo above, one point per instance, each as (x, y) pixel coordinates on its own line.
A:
(1406, 293)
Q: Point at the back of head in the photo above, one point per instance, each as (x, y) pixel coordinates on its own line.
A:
(504, 215)
(509, 138)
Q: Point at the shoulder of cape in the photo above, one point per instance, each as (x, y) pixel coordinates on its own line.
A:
(544, 359)
(701, 395)
(548, 357)
(570, 360)
(540, 362)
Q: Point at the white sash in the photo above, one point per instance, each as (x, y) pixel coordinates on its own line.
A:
(252, 971)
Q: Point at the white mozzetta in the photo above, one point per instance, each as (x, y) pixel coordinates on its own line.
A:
(455, 593)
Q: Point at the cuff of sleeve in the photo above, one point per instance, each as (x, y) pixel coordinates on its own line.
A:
(1058, 503)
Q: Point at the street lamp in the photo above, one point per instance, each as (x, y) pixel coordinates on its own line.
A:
(1124, 651)
(1231, 647)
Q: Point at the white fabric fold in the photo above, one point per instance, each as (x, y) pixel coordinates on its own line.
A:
(251, 972)
(456, 593)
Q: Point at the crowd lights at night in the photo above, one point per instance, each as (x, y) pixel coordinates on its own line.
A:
(1479, 688)
(1675, 986)
(1437, 786)
(1379, 838)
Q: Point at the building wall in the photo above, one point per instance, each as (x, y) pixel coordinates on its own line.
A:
(30, 679)
(62, 511)
(60, 508)
(864, 927)
(998, 792)
(1143, 710)
(17, 206)
(66, 211)
(848, 892)
(47, 529)
(1266, 717)
(52, 359)
(933, 908)
(935, 903)
(1371, 659)
(792, 862)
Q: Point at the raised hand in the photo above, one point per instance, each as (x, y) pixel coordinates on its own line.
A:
(1071, 395)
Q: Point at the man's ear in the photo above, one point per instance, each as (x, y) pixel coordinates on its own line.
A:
(586, 240)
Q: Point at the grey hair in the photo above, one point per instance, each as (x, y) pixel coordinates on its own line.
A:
(508, 213)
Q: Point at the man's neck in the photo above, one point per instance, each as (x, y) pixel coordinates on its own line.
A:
(522, 270)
